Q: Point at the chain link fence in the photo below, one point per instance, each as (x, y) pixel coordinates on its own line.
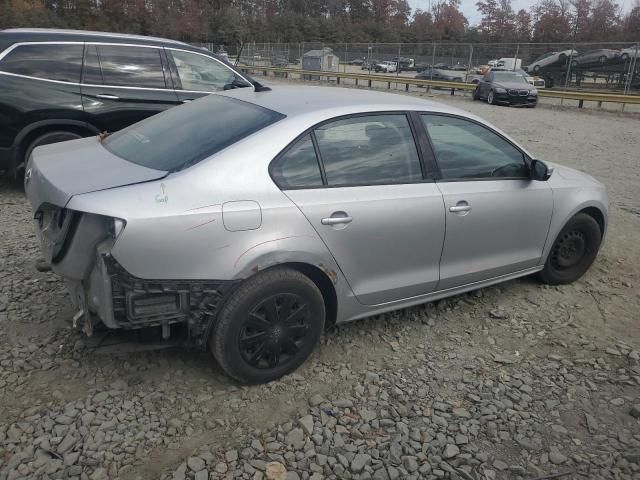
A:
(611, 67)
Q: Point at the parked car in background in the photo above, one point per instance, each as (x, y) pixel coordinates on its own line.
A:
(627, 54)
(386, 67)
(438, 74)
(58, 85)
(550, 59)
(405, 64)
(300, 208)
(506, 87)
(357, 61)
(509, 63)
(369, 64)
(535, 81)
(598, 57)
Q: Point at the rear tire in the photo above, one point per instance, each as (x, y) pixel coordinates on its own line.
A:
(476, 93)
(269, 326)
(573, 251)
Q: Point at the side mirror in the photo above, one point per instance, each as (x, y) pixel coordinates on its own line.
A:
(540, 171)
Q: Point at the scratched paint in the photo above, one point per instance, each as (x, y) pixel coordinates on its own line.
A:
(268, 241)
(200, 225)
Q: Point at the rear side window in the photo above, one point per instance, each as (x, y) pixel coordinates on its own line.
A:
(182, 136)
(50, 62)
(131, 66)
(375, 149)
(298, 167)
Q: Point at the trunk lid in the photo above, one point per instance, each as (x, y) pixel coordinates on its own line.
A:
(59, 171)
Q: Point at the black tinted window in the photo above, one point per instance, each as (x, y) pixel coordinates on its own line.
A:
(298, 167)
(52, 62)
(92, 73)
(465, 149)
(131, 66)
(369, 150)
(184, 135)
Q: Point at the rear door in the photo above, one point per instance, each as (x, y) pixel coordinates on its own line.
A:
(379, 217)
(37, 78)
(198, 74)
(123, 84)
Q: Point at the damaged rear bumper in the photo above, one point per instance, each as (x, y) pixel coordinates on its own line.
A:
(121, 301)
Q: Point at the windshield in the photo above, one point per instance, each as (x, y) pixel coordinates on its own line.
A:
(544, 56)
(185, 135)
(508, 77)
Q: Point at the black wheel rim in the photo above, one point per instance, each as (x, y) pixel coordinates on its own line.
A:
(569, 250)
(274, 332)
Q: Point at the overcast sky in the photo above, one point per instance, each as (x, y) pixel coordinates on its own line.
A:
(470, 11)
(469, 7)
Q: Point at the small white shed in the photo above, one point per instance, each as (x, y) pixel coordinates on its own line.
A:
(323, 60)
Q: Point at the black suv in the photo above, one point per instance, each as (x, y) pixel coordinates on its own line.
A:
(58, 85)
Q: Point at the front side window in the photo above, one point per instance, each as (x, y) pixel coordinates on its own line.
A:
(126, 66)
(204, 74)
(375, 149)
(182, 136)
(298, 167)
(62, 62)
(467, 150)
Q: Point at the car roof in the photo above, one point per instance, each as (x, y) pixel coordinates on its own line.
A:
(15, 35)
(333, 101)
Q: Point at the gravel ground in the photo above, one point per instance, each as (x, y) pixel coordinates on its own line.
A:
(516, 381)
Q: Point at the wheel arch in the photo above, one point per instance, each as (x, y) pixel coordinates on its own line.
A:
(597, 215)
(29, 133)
(594, 208)
(324, 276)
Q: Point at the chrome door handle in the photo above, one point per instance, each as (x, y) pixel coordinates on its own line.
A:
(336, 220)
(187, 100)
(461, 208)
(107, 96)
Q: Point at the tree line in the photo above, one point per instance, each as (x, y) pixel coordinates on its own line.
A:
(333, 21)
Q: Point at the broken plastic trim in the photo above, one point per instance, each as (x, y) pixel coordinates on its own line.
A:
(140, 303)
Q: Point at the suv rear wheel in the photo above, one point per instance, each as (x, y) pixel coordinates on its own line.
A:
(269, 326)
(44, 139)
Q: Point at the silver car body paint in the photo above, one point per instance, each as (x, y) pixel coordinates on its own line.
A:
(225, 219)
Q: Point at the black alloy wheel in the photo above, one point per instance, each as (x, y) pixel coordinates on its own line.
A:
(273, 333)
(269, 326)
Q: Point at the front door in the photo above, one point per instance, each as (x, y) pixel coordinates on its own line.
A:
(197, 74)
(497, 219)
(123, 84)
(382, 222)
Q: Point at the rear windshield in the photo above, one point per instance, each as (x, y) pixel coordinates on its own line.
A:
(182, 136)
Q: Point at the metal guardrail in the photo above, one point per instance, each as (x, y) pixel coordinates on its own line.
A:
(367, 79)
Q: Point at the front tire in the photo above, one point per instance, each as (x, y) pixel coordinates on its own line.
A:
(269, 326)
(573, 251)
(490, 98)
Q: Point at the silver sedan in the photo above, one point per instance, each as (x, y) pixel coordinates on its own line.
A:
(248, 221)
